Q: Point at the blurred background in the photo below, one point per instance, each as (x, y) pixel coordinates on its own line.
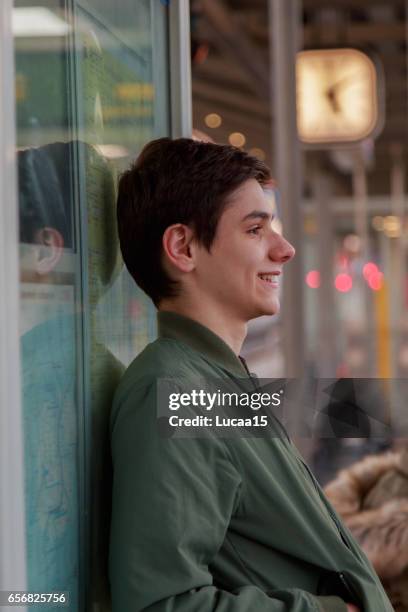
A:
(318, 90)
(350, 294)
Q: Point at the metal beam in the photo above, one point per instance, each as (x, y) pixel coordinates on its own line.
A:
(325, 356)
(313, 5)
(355, 33)
(284, 20)
(344, 33)
(180, 69)
(235, 41)
(222, 71)
(239, 101)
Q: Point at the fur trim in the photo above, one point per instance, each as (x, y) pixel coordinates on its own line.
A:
(348, 490)
(383, 535)
(380, 525)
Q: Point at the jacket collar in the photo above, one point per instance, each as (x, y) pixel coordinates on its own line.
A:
(201, 339)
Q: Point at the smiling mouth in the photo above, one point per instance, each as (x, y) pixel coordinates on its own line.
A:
(270, 279)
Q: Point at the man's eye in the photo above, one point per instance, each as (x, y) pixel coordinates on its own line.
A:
(254, 230)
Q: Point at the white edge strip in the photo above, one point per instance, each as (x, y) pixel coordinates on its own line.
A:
(12, 516)
(180, 69)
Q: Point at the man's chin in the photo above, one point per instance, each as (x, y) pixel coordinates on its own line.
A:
(269, 309)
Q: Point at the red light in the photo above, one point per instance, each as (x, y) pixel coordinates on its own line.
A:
(373, 276)
(368, 269)
(343, 282)
(375, 281)
(313, 279)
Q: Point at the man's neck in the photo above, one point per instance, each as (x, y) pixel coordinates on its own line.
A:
(230, 330)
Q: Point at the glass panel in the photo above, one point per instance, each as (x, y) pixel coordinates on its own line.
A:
(91, 90)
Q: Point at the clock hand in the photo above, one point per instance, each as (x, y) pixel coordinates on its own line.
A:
(342, 82)
(333, 101)
(331, 93)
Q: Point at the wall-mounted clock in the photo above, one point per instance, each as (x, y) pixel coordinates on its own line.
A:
(338, 96)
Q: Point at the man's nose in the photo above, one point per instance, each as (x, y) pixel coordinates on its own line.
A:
(281, 250)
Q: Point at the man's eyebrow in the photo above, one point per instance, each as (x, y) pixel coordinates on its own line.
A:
(258, 214)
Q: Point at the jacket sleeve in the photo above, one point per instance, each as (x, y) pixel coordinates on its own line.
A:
(171, 507)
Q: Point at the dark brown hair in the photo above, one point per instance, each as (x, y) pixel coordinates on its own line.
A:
(176, 181)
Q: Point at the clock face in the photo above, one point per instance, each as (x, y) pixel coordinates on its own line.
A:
(337, 99)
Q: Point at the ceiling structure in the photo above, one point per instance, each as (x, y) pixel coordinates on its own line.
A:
(232, 67)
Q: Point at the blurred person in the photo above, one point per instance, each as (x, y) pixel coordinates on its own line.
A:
(372, 498)
(50, 319)
(48, 368)
(213, 523)
(45, 196)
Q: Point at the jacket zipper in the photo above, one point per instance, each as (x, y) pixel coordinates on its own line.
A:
(330, 513)
(254, 380)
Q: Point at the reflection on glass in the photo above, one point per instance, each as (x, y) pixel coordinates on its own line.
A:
(91, 90)
(48, 293)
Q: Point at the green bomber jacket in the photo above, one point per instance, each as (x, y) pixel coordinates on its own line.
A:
(204, 524)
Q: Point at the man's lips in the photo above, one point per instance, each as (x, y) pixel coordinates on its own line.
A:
(270, 278)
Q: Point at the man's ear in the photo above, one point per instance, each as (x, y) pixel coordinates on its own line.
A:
(177, 246)
(50, 244)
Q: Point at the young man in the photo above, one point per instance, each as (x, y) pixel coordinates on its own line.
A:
(209, 523)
